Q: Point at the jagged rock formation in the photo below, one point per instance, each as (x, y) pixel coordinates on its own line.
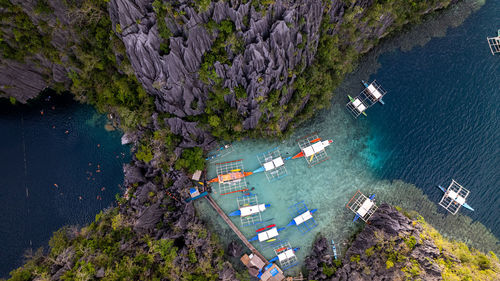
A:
(27, 78)
(394, 247)
(270, 50)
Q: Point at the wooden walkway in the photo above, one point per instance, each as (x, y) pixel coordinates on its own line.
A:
(235, 229)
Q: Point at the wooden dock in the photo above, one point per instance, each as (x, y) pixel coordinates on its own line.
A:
(235, 229)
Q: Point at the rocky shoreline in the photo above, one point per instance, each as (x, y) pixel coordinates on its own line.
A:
(393, 246)
(268, 48)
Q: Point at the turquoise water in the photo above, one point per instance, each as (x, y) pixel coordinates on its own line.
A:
(362, 152)
(37, 153)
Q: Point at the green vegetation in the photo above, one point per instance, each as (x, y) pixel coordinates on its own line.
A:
(471, 264)
(161, 9)
(100, 247)
(191, 159)
(455, 259)
(42, 7)
(19, 37)
(101, 81)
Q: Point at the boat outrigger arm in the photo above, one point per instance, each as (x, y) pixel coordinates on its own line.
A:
(250, 210)
(234, 175)
(266, 235)
(362, 207)
(464, 204)
(316, 145)
(307, 215)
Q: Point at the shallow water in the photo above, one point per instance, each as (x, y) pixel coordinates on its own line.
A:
(36, 155)
(369, 151)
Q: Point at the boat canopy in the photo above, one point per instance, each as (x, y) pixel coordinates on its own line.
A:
(359, 105)
(288, 254)
(308, 151)
(250, 210)
(374, 92)
(266, 235)
(303, 217)
(275, 163)
(453, 195)
(315, 148)
(365, 207)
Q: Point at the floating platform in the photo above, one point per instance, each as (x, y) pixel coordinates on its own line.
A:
(272, 164)
(195, 194)
(302, 217)
(372, 94)
(312, 148)
(362, 206)
(454, 197)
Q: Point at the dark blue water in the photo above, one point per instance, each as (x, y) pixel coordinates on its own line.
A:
(37, 153)
(441, 118)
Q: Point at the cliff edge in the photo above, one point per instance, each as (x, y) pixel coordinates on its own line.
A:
(401, 246)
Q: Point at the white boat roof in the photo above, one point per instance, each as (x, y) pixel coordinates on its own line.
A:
(365, 207)
(361, 108)
(374, 92)
(308, 151)
(303, 217)
(278, 162)
(266, 235)
(452, 194)
(268, 166)
(250, 210)
(286, 255)
(318, 147)
(356, 102)
(460, 200)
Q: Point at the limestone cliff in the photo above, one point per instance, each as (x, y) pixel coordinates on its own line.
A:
(398, 247)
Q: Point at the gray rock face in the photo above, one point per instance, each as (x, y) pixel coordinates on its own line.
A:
(25, 80)
(270, 51)
(387, 229)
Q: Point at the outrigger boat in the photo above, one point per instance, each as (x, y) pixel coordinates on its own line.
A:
(250, 210)
(286, 254)
(464, 204)
(316, 146)
(221, 151)
(334, 249)
(268, 235)
(307, 215)
(233, 175)
(364, 208)
(359, 107)
(371, 94)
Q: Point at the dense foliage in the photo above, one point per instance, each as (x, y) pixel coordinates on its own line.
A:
(104, 249)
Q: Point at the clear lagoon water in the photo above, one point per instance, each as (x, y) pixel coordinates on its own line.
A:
(440, 122)
(49, 178)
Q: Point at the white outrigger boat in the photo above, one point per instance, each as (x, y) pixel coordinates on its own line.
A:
(372, 94)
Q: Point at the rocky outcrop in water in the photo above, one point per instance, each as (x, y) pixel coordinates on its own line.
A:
(388, 248)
